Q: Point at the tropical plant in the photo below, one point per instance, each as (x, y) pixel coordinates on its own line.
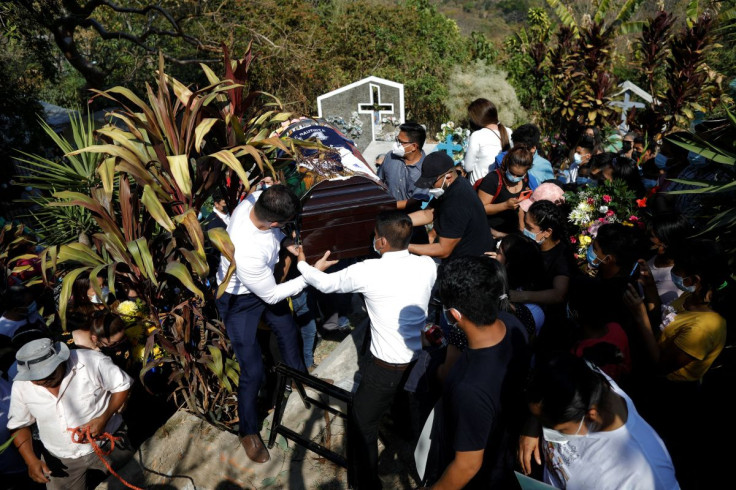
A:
(78, 173)
(157, 165)
(717, 144)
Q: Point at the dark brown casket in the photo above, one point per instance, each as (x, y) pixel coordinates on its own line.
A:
(339, 216)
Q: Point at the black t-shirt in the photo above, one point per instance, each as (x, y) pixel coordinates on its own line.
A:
(483, 393)
(558, 261)
(506, 221)
(460, 214)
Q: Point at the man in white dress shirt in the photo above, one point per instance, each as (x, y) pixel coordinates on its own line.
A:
(252, 292)
(396, 288)
(60, 390)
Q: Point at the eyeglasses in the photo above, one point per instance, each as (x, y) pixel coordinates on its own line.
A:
(403, 142)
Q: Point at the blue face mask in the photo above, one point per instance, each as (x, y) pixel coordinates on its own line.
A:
(513, 178)
(680, 283)
(532, 235)
(649, 183)
(660, 161)
(593, 261)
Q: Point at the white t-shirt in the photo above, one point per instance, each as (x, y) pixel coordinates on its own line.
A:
(396, 288)
(256, 254)
(632, 457)
(483, 146)
(667, 290)
(84, 394)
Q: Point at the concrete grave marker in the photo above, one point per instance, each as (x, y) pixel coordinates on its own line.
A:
(368, 110)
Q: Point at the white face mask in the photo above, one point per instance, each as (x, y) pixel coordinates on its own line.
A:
(374, 247)
(557, 437)
(437, 192)
(577, 158)
(105, 294)
(399, 150)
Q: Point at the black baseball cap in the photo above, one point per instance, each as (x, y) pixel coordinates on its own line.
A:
(434, 165)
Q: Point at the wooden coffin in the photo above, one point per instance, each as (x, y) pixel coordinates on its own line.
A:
(339, 216)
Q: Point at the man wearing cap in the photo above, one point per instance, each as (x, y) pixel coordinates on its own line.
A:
(457, 213)
(59, 390)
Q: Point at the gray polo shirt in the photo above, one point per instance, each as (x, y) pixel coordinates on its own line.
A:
(400, 177)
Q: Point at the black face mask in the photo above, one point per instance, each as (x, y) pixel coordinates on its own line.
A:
(119, 351)
(626, 146)
(635, 155)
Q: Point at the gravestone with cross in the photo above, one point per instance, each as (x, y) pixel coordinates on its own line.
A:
(368, 110)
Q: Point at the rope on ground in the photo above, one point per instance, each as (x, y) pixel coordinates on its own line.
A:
(81, 435)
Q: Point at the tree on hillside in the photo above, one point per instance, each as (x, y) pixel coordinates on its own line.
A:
(70, 23)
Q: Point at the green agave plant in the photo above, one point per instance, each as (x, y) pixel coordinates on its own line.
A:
(148, 172)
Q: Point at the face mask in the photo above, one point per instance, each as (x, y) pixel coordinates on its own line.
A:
(532, 235)
(649, 183)
(513, 178)
(680, 283)
(31, 309)
(593, 260)
(105, 294)
(577, 158)
(399, 150)
(263, 187)
(374, 247)
(557, 437)
(660, 161)
(625, 146)
(435, 192)
(118, 351)
(696, 159)
(635, 155)
(447, 316)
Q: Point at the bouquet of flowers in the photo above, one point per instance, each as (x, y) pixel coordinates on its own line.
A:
(610, 202)
(449, 133)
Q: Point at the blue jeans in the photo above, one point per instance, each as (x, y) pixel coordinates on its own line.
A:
(305, 321)
(241, 314)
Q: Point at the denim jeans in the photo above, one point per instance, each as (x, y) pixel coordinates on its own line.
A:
(305, 320)
(241, 314)
(376, 393)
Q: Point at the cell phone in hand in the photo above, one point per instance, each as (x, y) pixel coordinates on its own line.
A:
(525, 195)
(635, 272)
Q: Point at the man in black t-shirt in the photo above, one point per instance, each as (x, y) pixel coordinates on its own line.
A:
(475, 422)
(455, 210)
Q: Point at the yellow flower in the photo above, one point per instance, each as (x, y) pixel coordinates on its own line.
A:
(585, 240)
(128, 308)
(628, 223)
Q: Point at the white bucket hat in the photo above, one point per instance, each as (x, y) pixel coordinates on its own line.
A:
(39, 358)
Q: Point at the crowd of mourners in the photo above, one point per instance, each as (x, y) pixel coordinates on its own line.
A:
(495, 349)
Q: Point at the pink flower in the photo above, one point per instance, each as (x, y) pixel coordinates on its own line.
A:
(606, 198)
(573, 239)
(633, 218)
(591, 201)
(601, 219)
(610, 213)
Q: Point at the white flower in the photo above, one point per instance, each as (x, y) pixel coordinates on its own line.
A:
(603, 209)
(443, 126)
(585, 207)
(451, 125)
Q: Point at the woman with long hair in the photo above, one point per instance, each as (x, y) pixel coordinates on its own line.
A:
(489, 138)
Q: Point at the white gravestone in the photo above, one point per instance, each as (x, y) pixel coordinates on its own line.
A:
(368, 110)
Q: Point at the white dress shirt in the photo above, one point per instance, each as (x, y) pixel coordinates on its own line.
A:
(396, 288)
(84, 394)
(256, 254)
